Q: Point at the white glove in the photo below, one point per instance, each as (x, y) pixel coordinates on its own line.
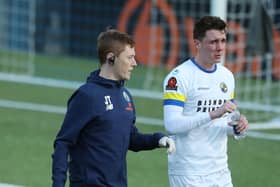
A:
(168, 143)
(233, 118)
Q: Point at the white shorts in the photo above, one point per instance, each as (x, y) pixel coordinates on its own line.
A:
(218, 179)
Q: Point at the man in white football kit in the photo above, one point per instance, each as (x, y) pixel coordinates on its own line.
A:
(198, 100)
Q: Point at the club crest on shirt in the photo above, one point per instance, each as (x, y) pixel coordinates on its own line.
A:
(126, 97)
(171, 84)
(129, 104)
(223, 87)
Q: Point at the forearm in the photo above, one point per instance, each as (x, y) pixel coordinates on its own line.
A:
(176, 122)
(59, 164)
(143, 141)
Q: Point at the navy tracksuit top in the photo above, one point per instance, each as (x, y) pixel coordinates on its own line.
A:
(96, 133)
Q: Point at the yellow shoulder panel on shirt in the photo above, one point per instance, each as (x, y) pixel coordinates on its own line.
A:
(174, 96)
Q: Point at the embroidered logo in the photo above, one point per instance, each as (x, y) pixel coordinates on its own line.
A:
(127, 98)
(108, 103)
(203, 88)
(223, 87)
(171, 84)
(129, 106)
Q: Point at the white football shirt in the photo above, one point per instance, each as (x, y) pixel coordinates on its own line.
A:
(190, 93)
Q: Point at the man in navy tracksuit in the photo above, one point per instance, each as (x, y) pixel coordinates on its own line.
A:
(98, 128)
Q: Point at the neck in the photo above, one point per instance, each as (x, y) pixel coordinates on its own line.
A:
(207, 65)
(107, 72)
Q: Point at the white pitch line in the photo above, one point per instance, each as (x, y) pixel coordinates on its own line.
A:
(263, 135)
(32, 106)
(271, 125)
(61, 110)
(143, 120)
(8, 185)
(42, 81)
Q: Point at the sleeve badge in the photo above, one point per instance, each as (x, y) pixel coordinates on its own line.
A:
(171, 84)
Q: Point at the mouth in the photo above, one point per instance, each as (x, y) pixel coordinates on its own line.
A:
(218, 57)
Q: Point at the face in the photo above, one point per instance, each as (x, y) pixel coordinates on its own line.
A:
(124, 64)
(212, 47)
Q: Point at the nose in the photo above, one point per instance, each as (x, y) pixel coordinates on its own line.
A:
(220, 45)
(134, 62)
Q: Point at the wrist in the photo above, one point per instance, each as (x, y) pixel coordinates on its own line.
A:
(216, 114)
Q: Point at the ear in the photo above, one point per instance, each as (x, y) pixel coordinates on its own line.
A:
(110, 58)
(197, 43)
(110, 55)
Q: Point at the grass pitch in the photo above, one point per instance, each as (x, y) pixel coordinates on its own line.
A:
(26, 141)
(26, 137)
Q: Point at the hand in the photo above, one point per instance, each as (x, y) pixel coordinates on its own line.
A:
(228, 106)
(238, 121)
(233, 118)
(243, 125)
(168, 143)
